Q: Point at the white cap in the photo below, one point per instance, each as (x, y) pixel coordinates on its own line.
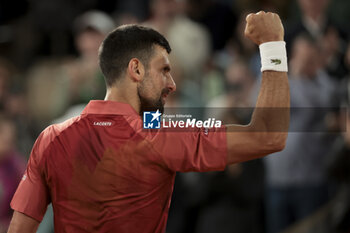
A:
(97, 20)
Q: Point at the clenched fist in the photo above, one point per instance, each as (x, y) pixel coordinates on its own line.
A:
(264, 27)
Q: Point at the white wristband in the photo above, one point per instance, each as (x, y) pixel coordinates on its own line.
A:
(273, 56)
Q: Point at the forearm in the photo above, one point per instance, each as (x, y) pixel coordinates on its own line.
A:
(22, 223)
(271, 113)
(268, 129)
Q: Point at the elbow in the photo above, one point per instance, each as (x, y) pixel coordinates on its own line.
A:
(279, 146)
(275, 142)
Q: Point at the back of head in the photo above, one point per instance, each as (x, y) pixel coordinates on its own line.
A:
(123, 44)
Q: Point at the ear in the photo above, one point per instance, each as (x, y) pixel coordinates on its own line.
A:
(136, 70)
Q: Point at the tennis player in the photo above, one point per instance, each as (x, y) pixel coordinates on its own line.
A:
(103, 173)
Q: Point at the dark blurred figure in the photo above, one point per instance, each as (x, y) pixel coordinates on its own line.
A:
(296, 177)
(13, 103)
(74, 79)
(12, 166)
(86, 79)
(189, 40)
(137, 9)
(229, 201)
(334, 216)
(218, 17)
(41, 28)
(339, 171)
(44, 30)
(339, 165)
(315, 21)
(234, 201)
(10, 13)
(190, 43)
(239, 48)
(239, 85)
(6, 71)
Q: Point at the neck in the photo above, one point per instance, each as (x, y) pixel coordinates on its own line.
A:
(123, 95)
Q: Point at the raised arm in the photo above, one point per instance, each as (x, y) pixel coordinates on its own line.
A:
(268, 129)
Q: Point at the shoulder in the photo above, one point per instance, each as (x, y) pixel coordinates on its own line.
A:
(54, 130)
(48, 135)
(135, 122)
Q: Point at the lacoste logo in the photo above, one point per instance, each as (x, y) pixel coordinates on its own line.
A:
(102, 123)
(276, 61)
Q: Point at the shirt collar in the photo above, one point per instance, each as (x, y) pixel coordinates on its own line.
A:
(108, 107)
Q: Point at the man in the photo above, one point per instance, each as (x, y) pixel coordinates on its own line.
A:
(317, 21)
(12, 166)
(104, 173)
(296, 179)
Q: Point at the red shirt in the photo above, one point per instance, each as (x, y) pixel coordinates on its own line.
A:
(104, 173)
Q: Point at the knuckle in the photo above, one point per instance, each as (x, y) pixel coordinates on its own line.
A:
(248, 32)
(249, 17)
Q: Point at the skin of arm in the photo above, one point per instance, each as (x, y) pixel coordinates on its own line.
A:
(22, 223)
(268, 129)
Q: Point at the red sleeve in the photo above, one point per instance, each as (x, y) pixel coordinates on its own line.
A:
(32, 195)
(184, 150)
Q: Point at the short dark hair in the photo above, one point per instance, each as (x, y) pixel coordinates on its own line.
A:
(123, 44)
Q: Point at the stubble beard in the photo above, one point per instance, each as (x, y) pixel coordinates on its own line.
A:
(147, 104)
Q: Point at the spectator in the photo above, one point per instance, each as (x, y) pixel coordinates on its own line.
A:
(75, 80)
(316, 22)
(222, 201)
(86, 80)
(12, 166)
(237, 100)
(12, 102)
(235, 196)
(339, 171)
(6, 73)
(238, 48)
(296, 177)
(190, 43)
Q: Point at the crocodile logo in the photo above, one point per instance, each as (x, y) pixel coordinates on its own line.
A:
(276, 61)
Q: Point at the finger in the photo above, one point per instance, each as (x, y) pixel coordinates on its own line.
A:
(248, 32)
(249, 16)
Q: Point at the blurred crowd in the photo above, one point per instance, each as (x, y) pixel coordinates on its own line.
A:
(49, 72)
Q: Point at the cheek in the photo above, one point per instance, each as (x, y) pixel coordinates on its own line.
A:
(150, 89)
(157, 83)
